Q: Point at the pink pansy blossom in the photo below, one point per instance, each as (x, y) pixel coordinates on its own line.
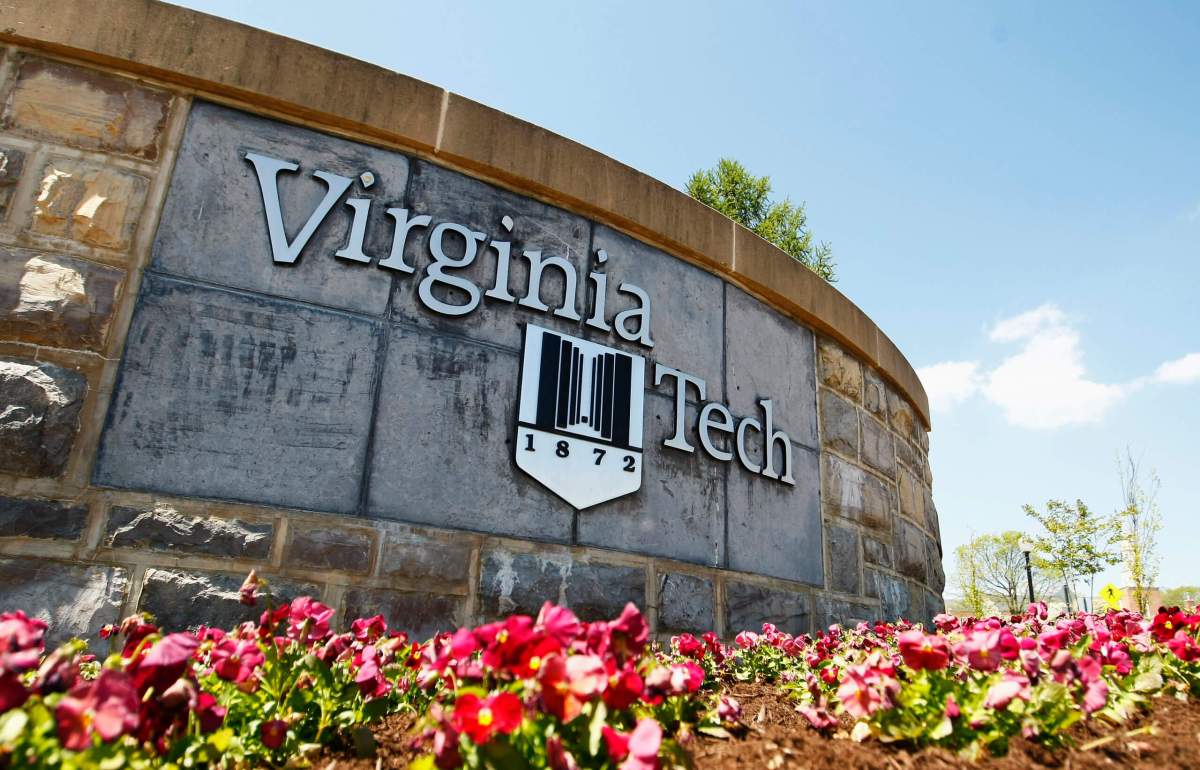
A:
(235, 660)
(107, 706)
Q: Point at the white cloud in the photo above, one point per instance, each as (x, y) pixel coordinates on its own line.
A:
(1181, 371)
(950, 383)
(1045, 385)
(1028, 323)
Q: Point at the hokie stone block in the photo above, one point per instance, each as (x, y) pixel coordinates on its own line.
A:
(74, 599)
(50, 299)
(39, 411)
(42, 519)
(181, 599)
(685, 603)
(514, 582)
(748, 606)
(420, 615)
(163, 528)
(92, 204)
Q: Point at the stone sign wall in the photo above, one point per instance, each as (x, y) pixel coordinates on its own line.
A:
(177, 407)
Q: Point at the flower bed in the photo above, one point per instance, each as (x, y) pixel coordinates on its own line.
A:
(555, 692)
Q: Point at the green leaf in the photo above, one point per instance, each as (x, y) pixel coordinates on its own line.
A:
(12, 725)
(715, 731)
(943, 730)
(1150, 681)
(596, 728)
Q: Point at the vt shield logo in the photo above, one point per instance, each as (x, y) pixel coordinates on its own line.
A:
(579, 426)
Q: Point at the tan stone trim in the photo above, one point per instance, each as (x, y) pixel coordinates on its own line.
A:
(270, 73)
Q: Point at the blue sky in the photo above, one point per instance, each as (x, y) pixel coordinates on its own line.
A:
(1012, 189)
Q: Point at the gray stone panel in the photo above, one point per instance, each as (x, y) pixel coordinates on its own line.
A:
(214, 227)
(845, 566)
(839, 424)
(436, 388)
(315, 547)
(685, 603)
(678, 512)
(41, 519)
(55, 300)
(234, 396)
(775, 528)
(448, 196)
(163, 528)
(74, 599)
(180, 600)
(687, 305)
(419, 615)
(770, 357)
(512, 582)
(748, 606)
(39, 416)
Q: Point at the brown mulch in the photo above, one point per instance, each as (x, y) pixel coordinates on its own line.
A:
(776, 737)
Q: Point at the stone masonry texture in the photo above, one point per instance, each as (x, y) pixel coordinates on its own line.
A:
(176, 408)
(39, 410)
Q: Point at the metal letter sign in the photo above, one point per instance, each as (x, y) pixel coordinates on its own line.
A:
(579, 427)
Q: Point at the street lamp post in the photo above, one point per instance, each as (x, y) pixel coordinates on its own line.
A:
(1027, 548)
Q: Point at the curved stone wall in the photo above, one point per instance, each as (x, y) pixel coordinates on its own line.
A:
(410, 355)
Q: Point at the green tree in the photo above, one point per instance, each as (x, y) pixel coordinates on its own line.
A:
(735, 192)
(993, 566)
(1138, 523)
(1077, 544)
(966, 571)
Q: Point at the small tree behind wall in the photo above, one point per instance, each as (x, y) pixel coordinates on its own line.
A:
(1139, 522)
(732, 190)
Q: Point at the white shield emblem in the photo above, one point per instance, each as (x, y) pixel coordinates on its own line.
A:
(579, 427)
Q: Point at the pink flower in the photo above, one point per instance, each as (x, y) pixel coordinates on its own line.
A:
(308, 620)
(1002, 693)
(569, 682)
(923, 651)
(273, 733)
(639, 749)
(1184, 647)
(107, 706)
(22, 640)
(235, 660)
(248, 593)
(689, 646)
(951, 710)
(368, 629)
(746, 639)
(559, 623)
(629, 632)
(482, 718)
(729, 710)
(818, 716)
(866, 689)
(985, 650)
(164, 662)
(209, 712)
(557, 757)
